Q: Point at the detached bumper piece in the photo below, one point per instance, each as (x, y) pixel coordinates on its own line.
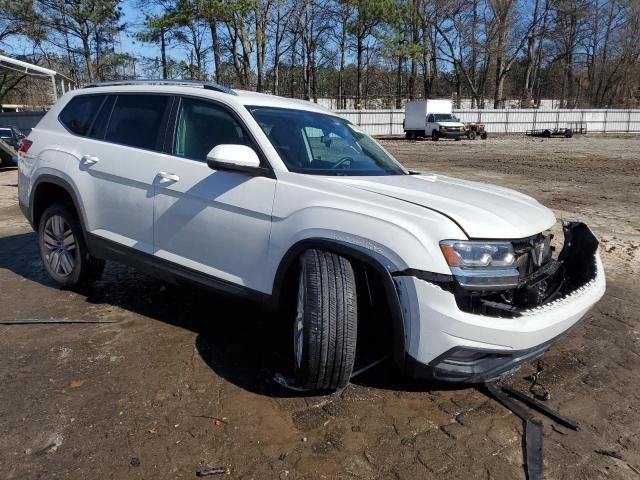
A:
(533, 430)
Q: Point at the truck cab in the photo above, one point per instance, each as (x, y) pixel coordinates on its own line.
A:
(444, 125)
(432, 118)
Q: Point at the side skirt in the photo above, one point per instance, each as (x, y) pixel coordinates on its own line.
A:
(168, 271)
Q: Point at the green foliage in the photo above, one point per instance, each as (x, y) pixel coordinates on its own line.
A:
(369, 14)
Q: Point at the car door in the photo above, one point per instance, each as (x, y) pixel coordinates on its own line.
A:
(119, 162)
(430, 124)
(208, 221)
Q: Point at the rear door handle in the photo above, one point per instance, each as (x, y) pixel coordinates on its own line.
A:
(168, 177)
(89, 159)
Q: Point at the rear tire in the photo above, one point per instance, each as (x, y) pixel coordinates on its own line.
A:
(471, 135)
(325, 325)
(63, 250)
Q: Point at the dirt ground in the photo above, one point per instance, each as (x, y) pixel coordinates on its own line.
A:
(182, 378)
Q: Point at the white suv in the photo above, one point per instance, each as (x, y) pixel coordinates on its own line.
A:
(285, 202)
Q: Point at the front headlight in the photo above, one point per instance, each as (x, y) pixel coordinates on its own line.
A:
(481, 265)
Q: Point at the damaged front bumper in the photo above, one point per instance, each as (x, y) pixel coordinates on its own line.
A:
(452, 338)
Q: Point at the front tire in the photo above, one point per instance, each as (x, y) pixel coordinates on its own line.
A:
(63, 250)
(325, 325)
(434, 136)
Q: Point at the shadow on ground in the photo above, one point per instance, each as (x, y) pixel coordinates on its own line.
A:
(241, 341)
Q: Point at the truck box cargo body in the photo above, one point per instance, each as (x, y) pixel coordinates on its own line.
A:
(434, 118)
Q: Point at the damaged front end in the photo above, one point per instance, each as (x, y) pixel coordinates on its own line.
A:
(530, 279)
(541, 277)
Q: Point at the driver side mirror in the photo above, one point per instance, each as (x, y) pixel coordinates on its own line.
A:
(238, 158)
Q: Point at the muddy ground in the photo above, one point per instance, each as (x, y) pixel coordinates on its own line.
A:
(183, 378)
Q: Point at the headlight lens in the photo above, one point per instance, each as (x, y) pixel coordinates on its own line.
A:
(472, 254)
(482, 265)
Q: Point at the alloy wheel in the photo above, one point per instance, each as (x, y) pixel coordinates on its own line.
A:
(60, 246)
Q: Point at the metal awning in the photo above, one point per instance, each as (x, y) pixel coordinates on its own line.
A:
(37, 71)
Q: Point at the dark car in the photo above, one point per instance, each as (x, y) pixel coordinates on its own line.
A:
(11, 136)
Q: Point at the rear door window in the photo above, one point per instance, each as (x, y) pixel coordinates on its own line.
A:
(79, 113)
(138, 121)
(99, 126)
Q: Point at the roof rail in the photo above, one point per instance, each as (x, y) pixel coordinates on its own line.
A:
(185, 83)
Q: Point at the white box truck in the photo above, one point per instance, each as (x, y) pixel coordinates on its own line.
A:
(432, 118)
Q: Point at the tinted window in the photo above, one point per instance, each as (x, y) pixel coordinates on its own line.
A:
(6, 133)
(430, 119)
(136, 120)
(203, 125)
(100, 123)
(79, 112)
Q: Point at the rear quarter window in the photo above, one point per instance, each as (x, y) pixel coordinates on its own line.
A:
(79, 113)
(137, 121)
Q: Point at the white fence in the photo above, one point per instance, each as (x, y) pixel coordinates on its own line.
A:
(389, 122)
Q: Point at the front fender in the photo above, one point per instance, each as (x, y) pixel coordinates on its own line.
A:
(367, 257)
(397, 234)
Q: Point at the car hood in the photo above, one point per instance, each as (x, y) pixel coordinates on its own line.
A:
(481, 210)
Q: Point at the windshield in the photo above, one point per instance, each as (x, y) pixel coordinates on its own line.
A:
(445, 117)
(320, 144)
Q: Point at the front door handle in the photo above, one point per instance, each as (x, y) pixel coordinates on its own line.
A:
(89, 159)
(168, 177)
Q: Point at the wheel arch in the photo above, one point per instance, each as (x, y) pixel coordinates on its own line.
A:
(52, 186)
(352, 252)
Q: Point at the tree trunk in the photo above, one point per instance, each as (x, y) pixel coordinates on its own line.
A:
(426, 57)
(359, 50)
(343, 60)
(474, 52)
(535, 82)
(530, 62)
(294, 47)
(86, 50)
(498, 101)
(217, 55)
(260, 44)
(399, 83)
(163, 54)
(458, 89)
(415, 40)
